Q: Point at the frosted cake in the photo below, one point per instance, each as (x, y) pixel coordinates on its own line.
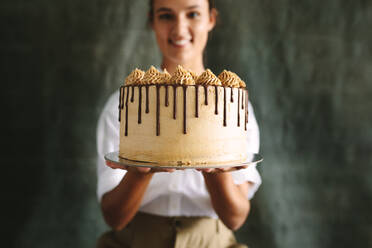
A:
(184, 118)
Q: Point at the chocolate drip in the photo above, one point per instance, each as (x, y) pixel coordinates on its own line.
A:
(174, 101)
(132, 97)
(184, 107)
(224, 107)
(216, 92)
(246, 110)
(124, 99)
(120, 107)
(238, 107)
(166, 96)
(157, 111)
(196, 100)
(147, 100)
(139, 104)
(126, 112)
(242, 98)
(206, 94)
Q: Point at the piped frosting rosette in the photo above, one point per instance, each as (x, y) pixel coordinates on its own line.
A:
(241, 82)
(182, 76)
(164, 77)
(134, 77)
(151, 76)
(193, 74)
(208, 78)
(231, 79)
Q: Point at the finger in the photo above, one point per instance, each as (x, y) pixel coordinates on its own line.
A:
(163, 169)
(240, 167)
(143, 169)
(113, 165)
(207, 170)
(109, 163)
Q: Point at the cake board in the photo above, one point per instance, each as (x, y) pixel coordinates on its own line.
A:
(113, 157)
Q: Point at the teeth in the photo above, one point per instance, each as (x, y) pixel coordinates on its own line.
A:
(180, 42)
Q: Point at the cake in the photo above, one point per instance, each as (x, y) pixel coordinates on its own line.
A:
(184, 118)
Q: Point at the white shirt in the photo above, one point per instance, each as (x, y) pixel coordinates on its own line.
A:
(180, 193)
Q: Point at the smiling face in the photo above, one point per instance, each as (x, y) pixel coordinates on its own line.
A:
(181, 28)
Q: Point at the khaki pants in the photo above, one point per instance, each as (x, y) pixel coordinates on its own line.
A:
(146, 230)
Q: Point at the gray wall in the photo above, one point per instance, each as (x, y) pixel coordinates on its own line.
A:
(307, 64)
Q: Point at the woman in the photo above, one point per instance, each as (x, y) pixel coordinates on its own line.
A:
(147, 208)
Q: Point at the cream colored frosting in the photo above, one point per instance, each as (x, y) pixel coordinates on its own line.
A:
(164, 77)
(194, 75)
(151, 76)
(134, 77)
(182, 76)
(207, 140)
(184, 125)
(241, 82)
(229, 78)
(208, 78)
(185, 77)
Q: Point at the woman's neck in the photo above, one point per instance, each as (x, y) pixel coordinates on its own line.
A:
(195, 66)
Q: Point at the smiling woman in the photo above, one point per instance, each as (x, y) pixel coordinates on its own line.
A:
(181, 29)
(186, 208)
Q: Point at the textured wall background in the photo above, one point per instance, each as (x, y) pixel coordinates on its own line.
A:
(308, 66)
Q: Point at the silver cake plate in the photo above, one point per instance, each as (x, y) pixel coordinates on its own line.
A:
(113, 157)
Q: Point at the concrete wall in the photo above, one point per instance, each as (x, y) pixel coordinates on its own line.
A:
(308, 67)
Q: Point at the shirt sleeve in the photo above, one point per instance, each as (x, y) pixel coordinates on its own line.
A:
(250, 174)
(108, 141)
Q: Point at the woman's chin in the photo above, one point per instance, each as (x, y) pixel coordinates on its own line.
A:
(182, 57)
